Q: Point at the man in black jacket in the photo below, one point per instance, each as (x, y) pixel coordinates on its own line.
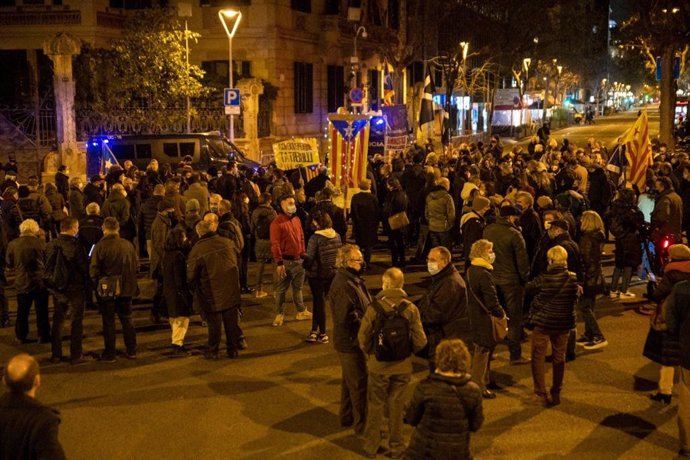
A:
(213, 273)
(28, 429)
(444, 308)
(115, 258)
(94, 192)
(364, 209)
(511, 270)
(529, 222)
(70, 298)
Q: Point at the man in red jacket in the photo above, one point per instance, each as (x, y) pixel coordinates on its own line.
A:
(287, 247)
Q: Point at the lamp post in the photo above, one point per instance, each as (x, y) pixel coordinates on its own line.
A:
(355, 59)
(185, 10)
(560, 69)
(230, 15)
(465, 47)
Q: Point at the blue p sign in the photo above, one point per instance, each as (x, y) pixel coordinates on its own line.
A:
(231, 97)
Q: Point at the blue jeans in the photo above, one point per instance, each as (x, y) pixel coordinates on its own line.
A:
(294, 276)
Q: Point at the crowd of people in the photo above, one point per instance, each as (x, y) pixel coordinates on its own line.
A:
(528, 226)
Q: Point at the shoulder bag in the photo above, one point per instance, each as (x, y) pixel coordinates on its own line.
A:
(398, 221)
(499, 326)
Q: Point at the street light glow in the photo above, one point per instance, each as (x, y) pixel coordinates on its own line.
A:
(229, 13)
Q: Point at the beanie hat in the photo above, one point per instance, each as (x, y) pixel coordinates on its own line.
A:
(560, 223)
(480, 202)
(679, 252)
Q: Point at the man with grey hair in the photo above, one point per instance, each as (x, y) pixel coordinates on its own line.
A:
(28, 429)
(440, 213)
(26, 256)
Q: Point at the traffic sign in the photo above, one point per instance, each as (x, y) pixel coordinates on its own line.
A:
(356, 95)
(231, 97)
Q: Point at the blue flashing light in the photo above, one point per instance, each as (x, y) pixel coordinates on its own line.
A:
(380, 122)
(95, 144)
(105, 141)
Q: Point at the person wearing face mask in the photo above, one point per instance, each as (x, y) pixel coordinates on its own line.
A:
(349, 298)
(667, 216)
(482, 302)
(444, 307)
(511, 272)
(165, 221)
(75, 198)
(472, 225)
(288, 249)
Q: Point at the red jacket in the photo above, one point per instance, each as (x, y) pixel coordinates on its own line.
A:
(287, 238)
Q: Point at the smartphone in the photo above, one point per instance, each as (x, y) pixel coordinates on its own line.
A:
(91, 250)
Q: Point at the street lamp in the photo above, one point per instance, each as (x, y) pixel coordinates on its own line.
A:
(234, 17)
(355, 58)
(560, 69)
(465, 47)
(185, 10)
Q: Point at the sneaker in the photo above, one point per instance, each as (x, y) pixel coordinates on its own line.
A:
(628, 295)
(242, 344)
(582, 341)
(179, 352)
(520, 361)
(303, 315)
(596, 343)
(261, 294)
(211, 355)
(312, 337)
(107, 359)
(614, 294)
(322, 338)
(81, 360)
(280, 318)
(131, 356)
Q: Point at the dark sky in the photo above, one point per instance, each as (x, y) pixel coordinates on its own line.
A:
(622, 9)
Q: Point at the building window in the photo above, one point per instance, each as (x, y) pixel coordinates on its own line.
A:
(224, 3)
(336, 87)
(301, 5)
(304, 87)
(218, 70)
(332, 7)
(130, 4)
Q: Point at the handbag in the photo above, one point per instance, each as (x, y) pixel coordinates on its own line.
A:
(398, 220)
(110, 287)
(499, 326)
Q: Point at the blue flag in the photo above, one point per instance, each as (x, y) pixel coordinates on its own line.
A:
(349, 130)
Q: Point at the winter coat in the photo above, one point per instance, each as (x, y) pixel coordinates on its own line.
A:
(178, 296)
(554, 296)
(77, 207)
(31, 208)
(396, 201)
(116, 256)
(321, 251)
(147, 214)
(444, 308)
(625, 224)
(591, 245)
(667, 216)
(481, 297)
(93, 194)
(349, 298)
(663, 347)
(213, 273)
(62, 184)
(26, 255)
(443, 418)
(76, 259)
(390, 299)
(200, 193)
(90, 231)
(117, 206)
(412, 181)
(229, 227)
(512, 264)
(532, 230)
(10, 215)
(440, 210)
(337, 215)
(364, 211)
(600, 191)
(162, 224)
(262, 247)
(57, 205)
(472, 227)
(540, 262)
(28, 429)
(678, 321)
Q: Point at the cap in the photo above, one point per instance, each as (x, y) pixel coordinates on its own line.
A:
(679, 252)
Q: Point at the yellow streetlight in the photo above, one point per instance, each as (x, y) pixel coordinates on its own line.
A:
(230, 19)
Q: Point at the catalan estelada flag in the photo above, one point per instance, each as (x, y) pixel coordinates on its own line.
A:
(348, 137)
(388, 91)
(638, 151)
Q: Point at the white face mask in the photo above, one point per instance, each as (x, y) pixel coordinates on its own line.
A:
(432, 267)
(292, 209)
(492, 258)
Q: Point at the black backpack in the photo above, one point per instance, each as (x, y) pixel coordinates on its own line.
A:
(392, 340)
(263, 227)
(57, 270)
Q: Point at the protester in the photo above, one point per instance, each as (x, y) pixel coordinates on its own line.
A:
(472, 225)
(28, 429)
(365, 214)
(287, 247)
(113, 270)
(396, 202)
(26, 256)
(176, 291)
(261, 220)
(678, 323)
(73, 266)
(440, 213)
(445, 408)
(349, 298)
(482, 302)
(552, 316)
(319, 263)
(661, 346)
(626, 224)
(444, 307)
(387, 380)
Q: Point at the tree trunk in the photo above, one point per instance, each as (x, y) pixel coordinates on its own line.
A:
(668, 98)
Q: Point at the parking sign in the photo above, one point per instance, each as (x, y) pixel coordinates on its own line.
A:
(231, 100)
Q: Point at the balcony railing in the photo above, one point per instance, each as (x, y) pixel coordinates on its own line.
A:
(40, 18)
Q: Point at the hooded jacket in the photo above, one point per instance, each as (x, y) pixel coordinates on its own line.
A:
(440, 210)
(321, 251)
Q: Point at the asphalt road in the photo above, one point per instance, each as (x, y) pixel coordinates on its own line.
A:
(280, 398)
